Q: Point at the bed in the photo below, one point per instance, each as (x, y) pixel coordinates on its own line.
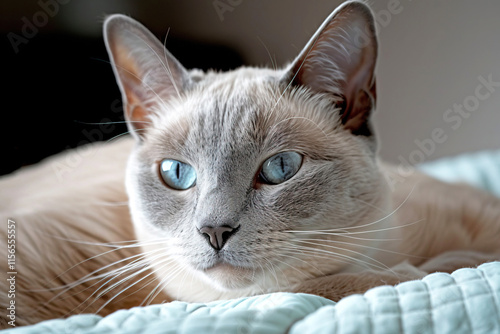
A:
(466, 301)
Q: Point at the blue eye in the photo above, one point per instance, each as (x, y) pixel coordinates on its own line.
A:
(177, 175)
(280, 167)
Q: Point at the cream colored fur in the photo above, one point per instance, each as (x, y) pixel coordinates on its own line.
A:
(48, 216)
(61, 214)
(97, 230)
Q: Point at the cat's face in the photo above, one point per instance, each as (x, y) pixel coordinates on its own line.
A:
(248, 179)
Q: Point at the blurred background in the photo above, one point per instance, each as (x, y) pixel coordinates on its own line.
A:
(436, 59)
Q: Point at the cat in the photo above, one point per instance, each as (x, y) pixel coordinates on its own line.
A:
(235, 184)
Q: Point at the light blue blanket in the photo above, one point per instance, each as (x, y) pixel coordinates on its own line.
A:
(467, 301)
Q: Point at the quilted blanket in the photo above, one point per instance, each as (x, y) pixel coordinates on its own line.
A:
(467, 301)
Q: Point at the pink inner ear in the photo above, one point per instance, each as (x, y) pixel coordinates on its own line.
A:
(340, 60)
(133, 92)
(136, 113)
(148, 75)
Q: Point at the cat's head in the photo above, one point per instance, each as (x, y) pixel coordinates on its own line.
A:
(253, 177)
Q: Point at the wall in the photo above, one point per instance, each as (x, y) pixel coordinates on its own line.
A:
(432, 54)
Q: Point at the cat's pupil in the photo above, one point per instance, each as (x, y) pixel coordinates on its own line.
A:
(280, 167)
(177, 175)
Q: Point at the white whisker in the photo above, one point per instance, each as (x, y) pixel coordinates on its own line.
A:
(381, 266)
(342, 230)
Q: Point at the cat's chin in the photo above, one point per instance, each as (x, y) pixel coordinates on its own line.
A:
(229, 277)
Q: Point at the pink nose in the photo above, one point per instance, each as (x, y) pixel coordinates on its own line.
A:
(218, 235)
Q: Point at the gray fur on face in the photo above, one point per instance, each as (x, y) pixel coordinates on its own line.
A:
(225, 125)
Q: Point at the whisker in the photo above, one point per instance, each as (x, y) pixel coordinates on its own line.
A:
(167, 68)
(307, 263)
(145, 285)
(382, 266)
(264, 273)
(383, 229)
(366, 246)
(101, 293)
(283, 274)
(370, 205)
(115, 244)
(360, 226)
(289, 265)
(116, 122)
(150, 265)
(87, 278)
(111, 275)
(123, 134)
(111, 204)
(141, 258)
(294, 76)
(345, 249)
(164, 283)
(323, 254)
(272, 271)
(90, 276)
(273, 62)
(167, 260)
(88, 259)
(183, 279)
(154, 278)
(387, 216)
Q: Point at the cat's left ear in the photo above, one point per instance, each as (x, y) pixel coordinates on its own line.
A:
(147, 74)
(340, 60)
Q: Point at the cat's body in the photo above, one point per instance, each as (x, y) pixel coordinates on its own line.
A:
(43, 221)
(331, 219)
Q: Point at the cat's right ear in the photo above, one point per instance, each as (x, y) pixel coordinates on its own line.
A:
(147, 74)
(339, 60)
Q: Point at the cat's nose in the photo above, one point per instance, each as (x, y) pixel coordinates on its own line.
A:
(218, 235)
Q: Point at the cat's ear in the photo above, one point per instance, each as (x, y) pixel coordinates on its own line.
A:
(146, 72)
(340, 60)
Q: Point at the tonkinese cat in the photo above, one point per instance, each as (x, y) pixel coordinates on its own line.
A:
(238, 183)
